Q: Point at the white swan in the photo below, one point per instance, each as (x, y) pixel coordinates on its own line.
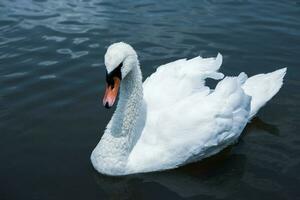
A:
(172, 118)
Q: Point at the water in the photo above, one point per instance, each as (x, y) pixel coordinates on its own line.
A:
(52, 82)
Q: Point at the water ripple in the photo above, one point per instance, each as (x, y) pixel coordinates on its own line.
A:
(48, 76)
(52, 77)
(48, 63)
(54, 38)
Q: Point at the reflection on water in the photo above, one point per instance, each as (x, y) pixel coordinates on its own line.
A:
(201, 179)
(257, 123)
(52, 82)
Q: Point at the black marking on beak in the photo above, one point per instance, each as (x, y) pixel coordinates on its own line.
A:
(115, 73)
(106, 105)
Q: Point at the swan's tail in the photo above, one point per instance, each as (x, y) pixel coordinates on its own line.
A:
(262, 88)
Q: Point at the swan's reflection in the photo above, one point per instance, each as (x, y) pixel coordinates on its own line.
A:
(257, 123)
(216, 177)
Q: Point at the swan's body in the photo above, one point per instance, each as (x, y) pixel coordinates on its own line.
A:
(172, 118)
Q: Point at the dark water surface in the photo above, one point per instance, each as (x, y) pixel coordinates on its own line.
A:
(52, 82)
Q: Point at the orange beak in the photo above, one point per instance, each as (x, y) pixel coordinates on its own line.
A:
(111, 93)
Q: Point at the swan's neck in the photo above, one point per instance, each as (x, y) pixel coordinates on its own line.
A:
(121, 133)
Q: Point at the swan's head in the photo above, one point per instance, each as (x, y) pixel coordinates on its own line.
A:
(120, 58)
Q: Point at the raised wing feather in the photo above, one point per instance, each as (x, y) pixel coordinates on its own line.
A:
(179, 79)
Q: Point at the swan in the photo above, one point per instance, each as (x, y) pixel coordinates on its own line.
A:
(173, 119)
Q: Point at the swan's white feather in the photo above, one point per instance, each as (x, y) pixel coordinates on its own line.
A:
(179, 79)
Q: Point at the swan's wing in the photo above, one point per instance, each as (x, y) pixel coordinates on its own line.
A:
(180, 79)
(193, 128)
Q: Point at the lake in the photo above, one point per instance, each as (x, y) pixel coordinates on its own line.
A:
(52, 79)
